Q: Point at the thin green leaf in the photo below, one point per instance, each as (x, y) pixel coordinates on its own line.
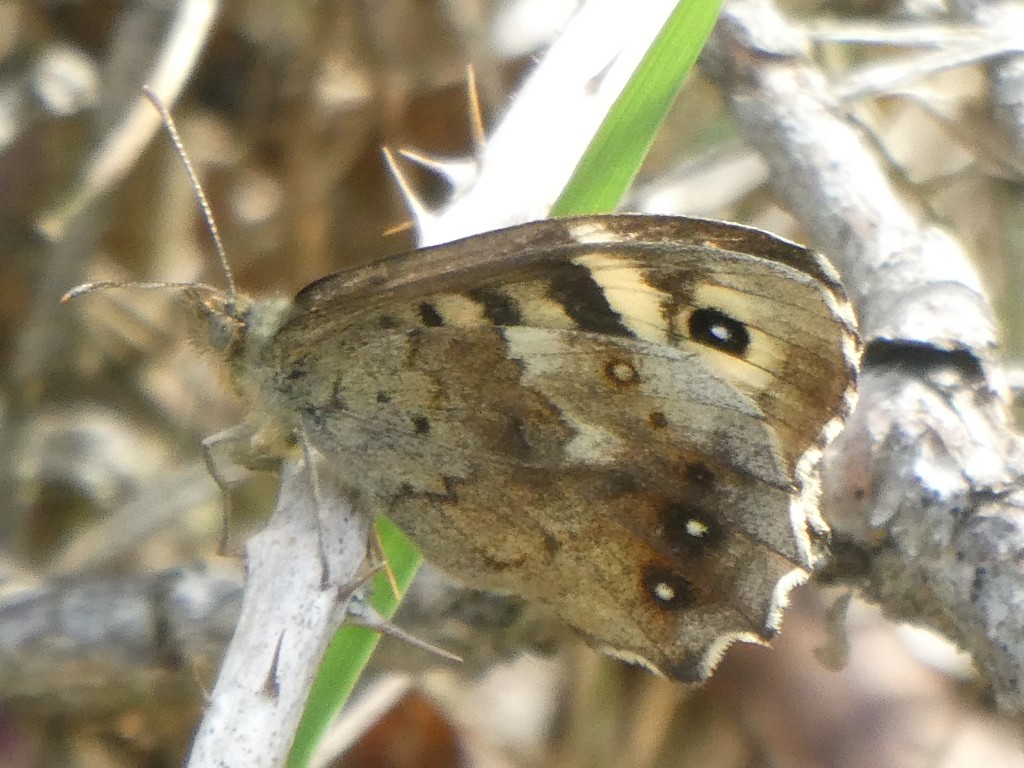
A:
(352, 647)
(615, 154)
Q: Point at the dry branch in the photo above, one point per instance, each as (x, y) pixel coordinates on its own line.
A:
(923, 487)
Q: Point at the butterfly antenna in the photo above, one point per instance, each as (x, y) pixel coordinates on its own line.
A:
(197, 188)
(106, 285)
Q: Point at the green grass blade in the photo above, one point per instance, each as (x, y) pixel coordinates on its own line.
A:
(351, 648)
(616, 152)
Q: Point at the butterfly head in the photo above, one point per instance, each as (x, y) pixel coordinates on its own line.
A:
(219, 319)
(233, 326)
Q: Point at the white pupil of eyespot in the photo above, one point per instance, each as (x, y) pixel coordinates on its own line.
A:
(664, 592)
(696, 528)
(720, 332)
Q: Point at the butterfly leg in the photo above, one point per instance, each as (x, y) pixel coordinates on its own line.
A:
(229, 455)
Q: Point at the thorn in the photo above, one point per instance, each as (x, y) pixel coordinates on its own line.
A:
(476, 116)
(272, 684)
(362, 613)
(459, 173)
(420, 214)
(402, 226)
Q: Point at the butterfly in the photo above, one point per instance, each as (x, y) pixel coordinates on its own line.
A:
(618, 417)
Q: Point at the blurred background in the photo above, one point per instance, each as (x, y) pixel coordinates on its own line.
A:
(114, 603)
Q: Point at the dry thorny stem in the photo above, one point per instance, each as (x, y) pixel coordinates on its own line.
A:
(922, 490)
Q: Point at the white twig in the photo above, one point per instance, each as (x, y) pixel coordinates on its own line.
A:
(289, 615)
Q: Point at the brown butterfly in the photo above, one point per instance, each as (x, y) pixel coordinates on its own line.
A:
(618, 417)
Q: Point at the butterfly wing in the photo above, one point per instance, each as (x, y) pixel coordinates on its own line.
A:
(610, 426)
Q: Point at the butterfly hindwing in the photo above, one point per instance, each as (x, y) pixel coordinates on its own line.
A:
(603, 414)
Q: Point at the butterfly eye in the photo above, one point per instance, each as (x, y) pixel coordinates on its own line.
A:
(716, 329)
